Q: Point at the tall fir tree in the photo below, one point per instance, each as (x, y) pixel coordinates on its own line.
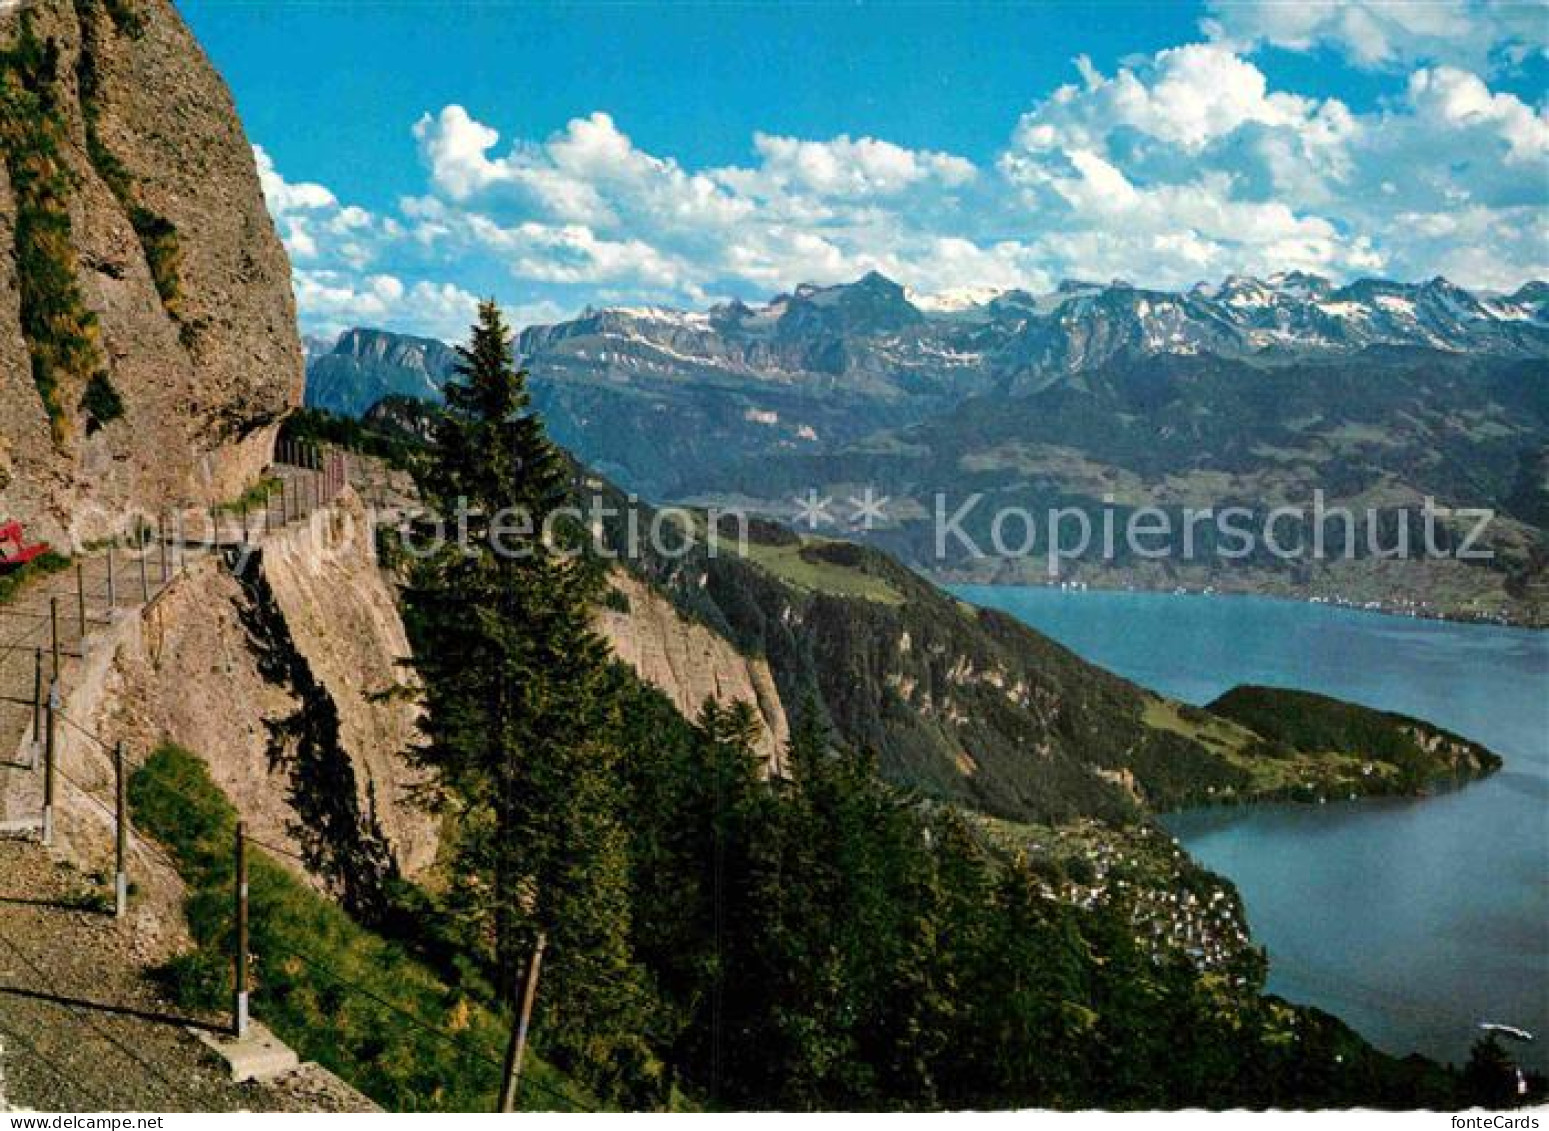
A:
(521, 726)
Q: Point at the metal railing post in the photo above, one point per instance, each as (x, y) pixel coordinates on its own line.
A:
(80, 603)
(37, 704)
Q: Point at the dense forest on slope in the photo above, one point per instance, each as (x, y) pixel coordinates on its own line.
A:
(1414, 753)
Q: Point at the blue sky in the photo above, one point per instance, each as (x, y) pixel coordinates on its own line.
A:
(418, 153)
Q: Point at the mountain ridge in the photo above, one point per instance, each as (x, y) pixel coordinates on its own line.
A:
(791, 334)
(1014, 332)
(363, 365)
(1249, 391)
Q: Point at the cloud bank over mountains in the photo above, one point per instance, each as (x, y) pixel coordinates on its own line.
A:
(1179, 166)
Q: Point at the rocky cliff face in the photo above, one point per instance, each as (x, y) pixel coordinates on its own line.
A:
(147, 328)
(284, 675)
(690, 664)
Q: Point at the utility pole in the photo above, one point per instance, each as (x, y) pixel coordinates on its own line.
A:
(239, 1009)
(517, 1049)
(121, 854)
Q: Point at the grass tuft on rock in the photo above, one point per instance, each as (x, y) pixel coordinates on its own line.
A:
(61, 332)
(11, 583)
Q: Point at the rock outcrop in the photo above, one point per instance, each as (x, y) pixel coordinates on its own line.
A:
(132, 229)
(364, 366)
(284, 676)
(689, 664)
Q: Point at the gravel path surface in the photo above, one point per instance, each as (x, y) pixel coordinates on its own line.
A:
(82, 1028)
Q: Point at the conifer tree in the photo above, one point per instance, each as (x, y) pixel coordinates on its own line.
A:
(1489, 1077)
(520, 728)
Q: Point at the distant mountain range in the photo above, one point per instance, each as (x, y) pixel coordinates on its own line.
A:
(883, 338)
(361, 367)
(1256, 390)
(872, 337)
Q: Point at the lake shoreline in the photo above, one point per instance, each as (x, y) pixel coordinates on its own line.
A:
(1295, 798)
(950, 580)
(1410, 918)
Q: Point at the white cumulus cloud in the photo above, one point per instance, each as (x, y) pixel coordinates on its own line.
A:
(1478, 34)
(335, 301)
(1183, 165)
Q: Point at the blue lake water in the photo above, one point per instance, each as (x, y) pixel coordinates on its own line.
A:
(1412, 920)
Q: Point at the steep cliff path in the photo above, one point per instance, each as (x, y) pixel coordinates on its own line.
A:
(81, 1027)
(50, 629)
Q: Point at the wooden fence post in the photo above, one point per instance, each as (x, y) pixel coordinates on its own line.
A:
(166, 571)
(239, 1018)
(145, 577)
(37, 704)
(121, 855)
(50, 750)
(511, 1077)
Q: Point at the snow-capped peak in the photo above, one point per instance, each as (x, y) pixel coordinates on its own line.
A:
(955, 300)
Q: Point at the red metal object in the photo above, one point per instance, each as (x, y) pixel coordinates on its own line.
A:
(14, 550)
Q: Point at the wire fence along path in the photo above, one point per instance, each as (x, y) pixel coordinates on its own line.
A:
(51, 626)
(46, 634)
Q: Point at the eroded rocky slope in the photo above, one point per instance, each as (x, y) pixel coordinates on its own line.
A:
(285, 673)
(690, 664)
